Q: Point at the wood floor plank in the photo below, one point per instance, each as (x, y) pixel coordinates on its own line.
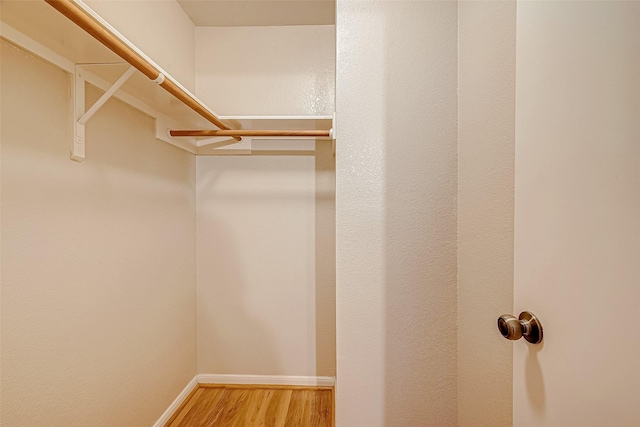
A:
(215, 412)
(324, 409)
(272, 409)
(295, 415)
(213, 405)
(280, 414)
(200, 409)
(246, 411)
(182, 412)
(261, 415)
(307, 401)
(237, 398)
(235, 406)
(255, 405)
(220, 410)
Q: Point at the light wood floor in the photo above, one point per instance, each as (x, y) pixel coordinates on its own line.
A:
(253, 406)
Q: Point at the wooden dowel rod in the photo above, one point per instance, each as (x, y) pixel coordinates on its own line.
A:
(251, 132)
(88, 23)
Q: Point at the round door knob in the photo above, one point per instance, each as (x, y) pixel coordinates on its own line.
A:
(527, 326)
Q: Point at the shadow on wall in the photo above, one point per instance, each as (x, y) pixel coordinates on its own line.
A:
(534, 379)
(266, 263)
(325, 209)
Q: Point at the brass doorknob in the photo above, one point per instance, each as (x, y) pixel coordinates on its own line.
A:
(527, 326)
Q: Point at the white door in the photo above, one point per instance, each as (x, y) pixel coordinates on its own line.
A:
(577, 212)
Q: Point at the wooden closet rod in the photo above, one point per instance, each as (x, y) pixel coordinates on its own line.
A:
(250, 133)
(91, 25)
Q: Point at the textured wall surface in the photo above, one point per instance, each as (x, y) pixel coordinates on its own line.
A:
(266, 262)
(98, 271)
(577, 209)
(396, 213)
(486, 127)
(266, 223)
(267, 70)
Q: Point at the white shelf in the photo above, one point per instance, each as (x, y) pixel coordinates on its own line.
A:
(39, 28)
(279, 122)
(286, 146)
(34, 25)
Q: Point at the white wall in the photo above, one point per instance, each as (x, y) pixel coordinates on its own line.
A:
(396, 213)
(250, 13)
(98, 271)
(486, 127)
(267, 70)
(160, 28)
(266, 222)
(577, 206)
(259, 276)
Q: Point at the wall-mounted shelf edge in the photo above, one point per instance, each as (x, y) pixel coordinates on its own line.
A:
(80, 72)
(303, 145)
(262, 118)
(103, 70)
(93, 24)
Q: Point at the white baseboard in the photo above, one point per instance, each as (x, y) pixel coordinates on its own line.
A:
(242, 379)
(267, 380)
(176, 403)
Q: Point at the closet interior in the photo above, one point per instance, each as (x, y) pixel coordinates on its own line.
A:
(180, 245)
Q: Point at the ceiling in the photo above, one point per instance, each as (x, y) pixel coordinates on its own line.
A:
(235, 13)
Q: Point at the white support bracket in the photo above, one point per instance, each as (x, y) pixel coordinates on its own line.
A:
(80, 116)
(164, 124)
